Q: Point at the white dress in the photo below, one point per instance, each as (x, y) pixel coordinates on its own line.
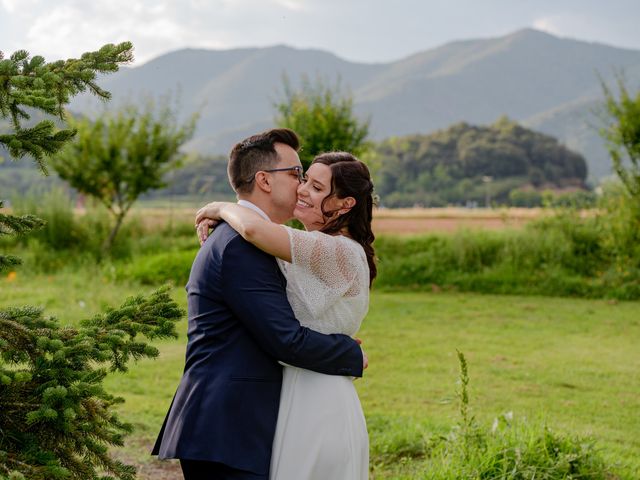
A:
(321, 432)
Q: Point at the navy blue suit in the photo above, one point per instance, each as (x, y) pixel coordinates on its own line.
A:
(240, 325)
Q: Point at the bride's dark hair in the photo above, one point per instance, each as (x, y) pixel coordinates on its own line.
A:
(351, 178)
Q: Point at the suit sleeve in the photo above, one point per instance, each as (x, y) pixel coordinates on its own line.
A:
(254, 291)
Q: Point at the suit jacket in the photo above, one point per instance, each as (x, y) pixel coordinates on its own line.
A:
(240, 324)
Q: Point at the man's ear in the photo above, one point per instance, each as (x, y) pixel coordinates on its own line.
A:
(262, 182)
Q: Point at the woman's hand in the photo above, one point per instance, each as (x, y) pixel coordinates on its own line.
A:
(203, 228)
(207, 218)
(210, 211)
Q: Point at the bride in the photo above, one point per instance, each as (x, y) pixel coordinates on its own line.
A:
(321, 432)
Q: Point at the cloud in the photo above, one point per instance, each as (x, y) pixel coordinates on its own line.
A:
(550, 25)
(603, 28)
(290, 4)
(10, 5)
(66, 28)
(69, 28)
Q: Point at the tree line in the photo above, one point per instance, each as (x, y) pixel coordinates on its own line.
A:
(503, 163)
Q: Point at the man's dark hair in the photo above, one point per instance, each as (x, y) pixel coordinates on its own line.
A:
(257, 153)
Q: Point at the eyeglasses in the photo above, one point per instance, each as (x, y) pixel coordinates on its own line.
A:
(297, 169)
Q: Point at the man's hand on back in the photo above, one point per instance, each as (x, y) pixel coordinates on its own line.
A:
(365, 359)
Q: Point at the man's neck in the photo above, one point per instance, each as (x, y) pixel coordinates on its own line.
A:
(264, 205)
(255, 208)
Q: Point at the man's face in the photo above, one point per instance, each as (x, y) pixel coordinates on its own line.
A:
(285, 183)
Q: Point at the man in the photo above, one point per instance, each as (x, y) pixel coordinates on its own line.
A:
(222, 419)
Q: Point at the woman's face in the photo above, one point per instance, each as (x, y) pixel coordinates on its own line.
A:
(311, 194)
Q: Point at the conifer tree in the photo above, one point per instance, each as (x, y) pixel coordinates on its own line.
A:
(56, 419)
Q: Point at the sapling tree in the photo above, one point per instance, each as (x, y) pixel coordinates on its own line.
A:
(122, 155)
(622, 134)
(323, 116)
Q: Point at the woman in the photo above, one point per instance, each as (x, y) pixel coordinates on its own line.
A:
(321, 432)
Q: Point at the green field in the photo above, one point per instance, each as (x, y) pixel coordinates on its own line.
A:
(571, 364)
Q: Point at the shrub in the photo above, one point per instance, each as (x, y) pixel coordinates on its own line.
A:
(525, 198)
(621, 226)
(173, 267)
(520, 452)
(67, 237)
(562, 255)
(578, 199)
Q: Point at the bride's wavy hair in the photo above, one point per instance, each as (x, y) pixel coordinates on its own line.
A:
(351, 178)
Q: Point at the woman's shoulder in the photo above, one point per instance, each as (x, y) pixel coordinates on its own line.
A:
(313, 235)
(351, 243)
(326, 237)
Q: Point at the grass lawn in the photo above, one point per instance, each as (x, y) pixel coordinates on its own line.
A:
(571, 363)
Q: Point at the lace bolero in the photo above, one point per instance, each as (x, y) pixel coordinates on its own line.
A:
(327, 281)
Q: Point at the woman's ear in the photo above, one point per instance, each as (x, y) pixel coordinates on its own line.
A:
(262, 181)
(347, 204)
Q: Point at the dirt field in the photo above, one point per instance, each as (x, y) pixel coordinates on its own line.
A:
(417, 221)
(409, 221)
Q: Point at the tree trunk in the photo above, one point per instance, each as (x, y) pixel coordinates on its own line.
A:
(112, 236)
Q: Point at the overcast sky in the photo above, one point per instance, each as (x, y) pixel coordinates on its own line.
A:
(357, 30)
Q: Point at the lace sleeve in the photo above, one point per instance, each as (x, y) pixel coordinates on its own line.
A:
(325, 268)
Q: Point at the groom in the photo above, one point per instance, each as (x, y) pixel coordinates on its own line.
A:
(222, 420)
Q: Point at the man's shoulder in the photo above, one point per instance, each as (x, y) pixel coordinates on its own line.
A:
(225, 239)
(222, 235)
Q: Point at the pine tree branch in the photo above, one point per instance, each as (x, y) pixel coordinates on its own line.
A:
(12, 225)
(20, 405)
(30, 82)
(8, 261)
(38, 141)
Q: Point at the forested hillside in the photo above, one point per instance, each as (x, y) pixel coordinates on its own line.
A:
(472, 164)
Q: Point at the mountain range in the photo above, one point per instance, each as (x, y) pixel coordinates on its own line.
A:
(544, 82)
